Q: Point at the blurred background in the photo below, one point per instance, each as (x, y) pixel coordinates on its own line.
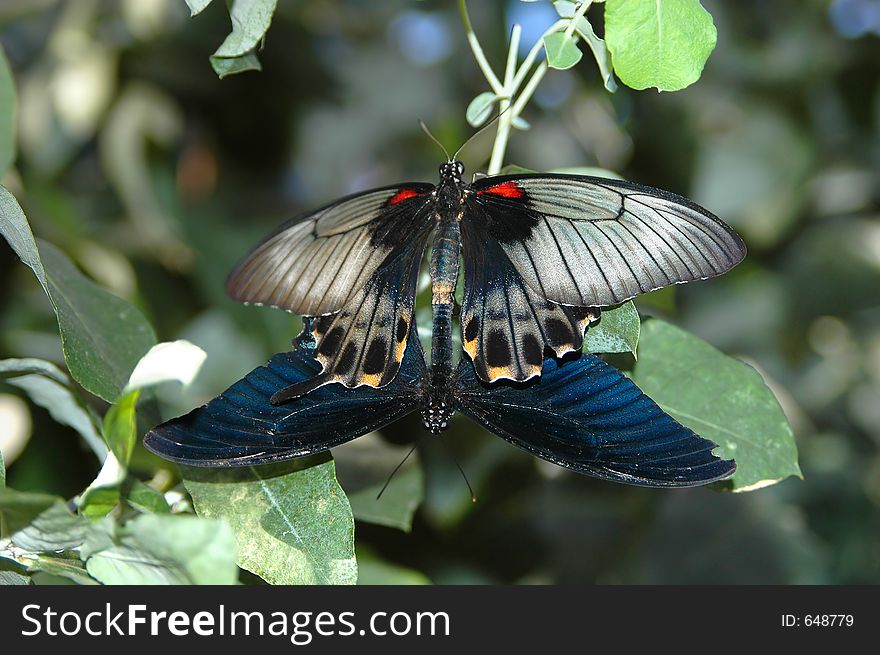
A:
(155, 177)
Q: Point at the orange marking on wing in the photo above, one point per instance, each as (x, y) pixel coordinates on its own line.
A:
(402, 195)
(505, 190)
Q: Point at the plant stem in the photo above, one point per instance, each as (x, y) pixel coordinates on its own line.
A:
(477, 49)
(502, 134)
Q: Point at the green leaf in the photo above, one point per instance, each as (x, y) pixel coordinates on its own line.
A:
(398, 503)
(49, 388)
(585, 30)
(2, 471)
(292, 521)
(616, 332)
(720, 398)
(562, 51)
(98, 501)
(514, 169)
(55, 529)
(102, 336)
(155, 549)
(662, 44)
(565, 8)
(120, 426)
(225, 66)
(250, 21)
(374, 571)
(8, 110)
(480, 108)
(19, 508)
(197, 6)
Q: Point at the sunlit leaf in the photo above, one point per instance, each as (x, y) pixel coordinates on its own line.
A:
(562, 51)
(250, 21)
(292, 521)
(8, 110)
(662, 44)
(120, 426)
(47, 386)
(616, 332)
(156, 549)
(720, 398)
(585, 30)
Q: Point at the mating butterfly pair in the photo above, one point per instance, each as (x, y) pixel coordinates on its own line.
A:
(542, 254)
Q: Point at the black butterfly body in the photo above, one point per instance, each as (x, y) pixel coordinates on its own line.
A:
(582, 414)
(542, 253)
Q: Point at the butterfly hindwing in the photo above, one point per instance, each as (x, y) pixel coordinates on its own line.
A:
(506, 325)
(587, 416)
(241, 427)
(312, 264)
(586, 241)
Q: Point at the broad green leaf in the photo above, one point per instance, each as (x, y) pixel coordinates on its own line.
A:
(155, 549)
(225, 66)
(480, 108)
(19, 508)
(562, 51)
(197, 6)
(250, 21)
(616, 332)
(292, 521)
(8, 111)
(120, 426)
(720, 398)
(99, 501)
(662, 44)
(585, 30)
(102, 336)
(398, 503)
(168, 361)
(71, 568)
(54, 529)
(363, 467)
(49, 388)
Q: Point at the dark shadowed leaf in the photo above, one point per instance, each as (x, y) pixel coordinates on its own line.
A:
(8, 111)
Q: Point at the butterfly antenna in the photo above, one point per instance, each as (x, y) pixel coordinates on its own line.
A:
(461, 470)
(434, 139)
(480, 131)
(396, 469)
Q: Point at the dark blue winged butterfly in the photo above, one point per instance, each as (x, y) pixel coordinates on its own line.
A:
(542, 254)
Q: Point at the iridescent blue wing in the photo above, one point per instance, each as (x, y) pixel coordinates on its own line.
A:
(587, 416)
(241, 427)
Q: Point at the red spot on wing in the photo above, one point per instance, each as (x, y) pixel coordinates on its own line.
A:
(505, 190)
(402, 195)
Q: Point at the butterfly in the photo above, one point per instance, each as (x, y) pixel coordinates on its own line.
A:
(542, 255)
(582, 414)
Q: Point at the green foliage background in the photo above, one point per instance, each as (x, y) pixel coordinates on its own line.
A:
(129, 154)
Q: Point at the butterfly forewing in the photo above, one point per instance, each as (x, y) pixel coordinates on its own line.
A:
(313, 264)
(507, 326)
(597, 242)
